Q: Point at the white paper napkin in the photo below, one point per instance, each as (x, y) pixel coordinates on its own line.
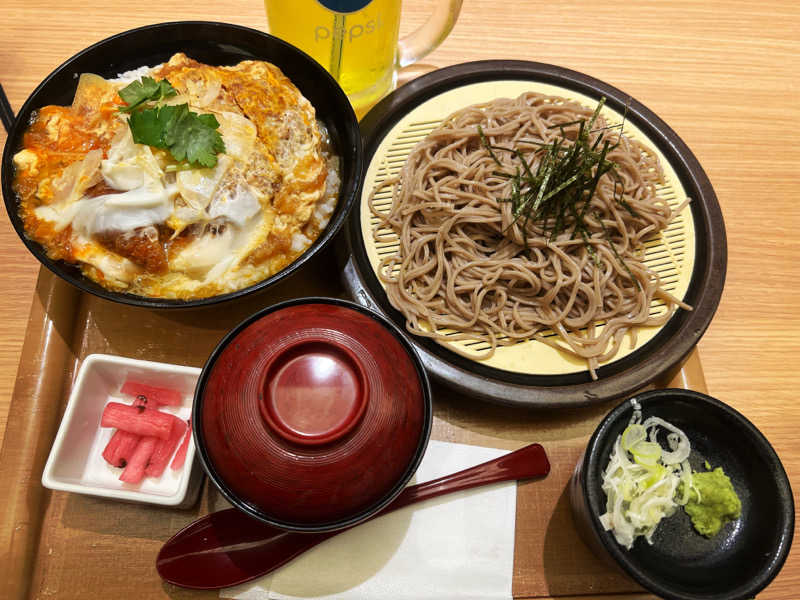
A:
(459, 546)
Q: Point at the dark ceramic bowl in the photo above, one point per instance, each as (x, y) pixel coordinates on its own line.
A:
(681, 564)
(312, 415)
(210, 43)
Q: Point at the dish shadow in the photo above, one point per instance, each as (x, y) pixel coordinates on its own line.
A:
(178, 593)
(570, 567)
(117, 518)
(515, 423)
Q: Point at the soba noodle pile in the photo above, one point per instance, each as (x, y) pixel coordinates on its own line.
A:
(468, 268)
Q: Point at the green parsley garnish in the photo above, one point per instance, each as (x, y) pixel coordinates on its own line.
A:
(190, 137)
(145, 90)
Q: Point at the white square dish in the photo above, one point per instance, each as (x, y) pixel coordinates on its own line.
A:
(76, 464)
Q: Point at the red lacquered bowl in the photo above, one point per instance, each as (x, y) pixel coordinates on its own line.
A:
(312, 414)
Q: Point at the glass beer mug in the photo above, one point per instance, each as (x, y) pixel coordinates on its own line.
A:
(357, 40)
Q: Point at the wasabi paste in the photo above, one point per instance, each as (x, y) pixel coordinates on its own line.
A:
(712, 502)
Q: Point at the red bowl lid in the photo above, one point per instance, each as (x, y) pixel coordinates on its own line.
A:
(312, 414)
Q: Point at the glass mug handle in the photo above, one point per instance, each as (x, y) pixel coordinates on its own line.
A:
(424, 40)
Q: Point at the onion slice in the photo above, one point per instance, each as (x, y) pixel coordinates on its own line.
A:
(643, 482)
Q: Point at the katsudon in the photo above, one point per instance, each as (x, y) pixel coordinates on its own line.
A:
(178, 181)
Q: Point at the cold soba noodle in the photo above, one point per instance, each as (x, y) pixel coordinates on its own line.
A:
(495, 247)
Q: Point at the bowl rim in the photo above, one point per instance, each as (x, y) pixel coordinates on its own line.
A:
(391, 494)
(349, 192)
(592, 461)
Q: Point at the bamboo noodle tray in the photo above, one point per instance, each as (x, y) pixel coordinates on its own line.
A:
(72, 546)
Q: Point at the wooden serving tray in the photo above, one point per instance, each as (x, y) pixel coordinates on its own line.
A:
(74, 546)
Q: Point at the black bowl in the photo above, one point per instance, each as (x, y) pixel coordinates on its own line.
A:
(211, 43)
(681, 564)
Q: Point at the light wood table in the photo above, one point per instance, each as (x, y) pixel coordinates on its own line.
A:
(722, 74)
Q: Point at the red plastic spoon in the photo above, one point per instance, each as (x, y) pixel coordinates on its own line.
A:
(227, 548)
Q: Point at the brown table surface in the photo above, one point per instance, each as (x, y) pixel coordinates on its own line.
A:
(722, 74)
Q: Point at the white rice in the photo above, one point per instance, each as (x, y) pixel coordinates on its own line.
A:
(132, 75)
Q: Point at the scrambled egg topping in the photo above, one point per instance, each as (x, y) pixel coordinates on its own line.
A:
(135, 223)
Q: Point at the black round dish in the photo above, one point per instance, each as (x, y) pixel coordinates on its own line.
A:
(619, 378)
(681, 564)
(211, 43)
